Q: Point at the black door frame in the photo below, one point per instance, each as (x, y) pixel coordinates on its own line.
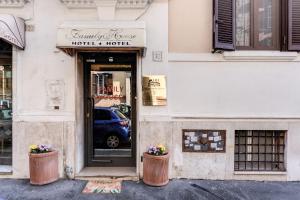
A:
(119, 58)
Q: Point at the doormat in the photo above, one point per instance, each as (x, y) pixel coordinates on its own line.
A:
(106, 186)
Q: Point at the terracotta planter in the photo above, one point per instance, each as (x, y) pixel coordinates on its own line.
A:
(43, 168)
(156, 169)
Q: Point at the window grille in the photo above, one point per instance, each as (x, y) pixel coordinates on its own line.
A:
(257, 150)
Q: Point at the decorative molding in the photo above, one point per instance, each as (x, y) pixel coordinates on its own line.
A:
(12, 3)
(92, 3)
(133, 3)
(79, 3)
(188, 117)
(195, 57)
(236, 56)
(260, 56)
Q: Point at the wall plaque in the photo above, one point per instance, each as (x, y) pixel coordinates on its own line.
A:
(210, 141)
(55, 94)
(154, 90)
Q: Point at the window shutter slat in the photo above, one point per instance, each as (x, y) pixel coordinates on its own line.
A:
(224, 25)
(294, 25)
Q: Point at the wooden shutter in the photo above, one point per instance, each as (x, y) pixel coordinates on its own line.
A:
(224, 25)
(294, 25)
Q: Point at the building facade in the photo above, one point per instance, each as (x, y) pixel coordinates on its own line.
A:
(216, 81)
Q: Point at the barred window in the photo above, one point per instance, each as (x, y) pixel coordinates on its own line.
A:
(257, 150)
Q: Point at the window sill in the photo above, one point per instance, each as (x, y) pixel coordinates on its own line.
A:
(5, 170)
(258, 173)
(6, 173)
(260, 56)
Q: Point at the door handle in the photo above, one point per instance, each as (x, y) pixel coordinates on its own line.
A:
(93, 102)
(90, 106)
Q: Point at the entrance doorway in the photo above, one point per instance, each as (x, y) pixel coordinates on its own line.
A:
(110, 109)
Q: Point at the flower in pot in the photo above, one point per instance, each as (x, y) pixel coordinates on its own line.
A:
(43, 164)
(156, 166)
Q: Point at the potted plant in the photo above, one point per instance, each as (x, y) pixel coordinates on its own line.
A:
(156, 166)
(43, 164)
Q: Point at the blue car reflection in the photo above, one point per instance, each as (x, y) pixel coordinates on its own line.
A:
(111, 127)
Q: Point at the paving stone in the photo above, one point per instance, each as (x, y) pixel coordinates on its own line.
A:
(182, 189)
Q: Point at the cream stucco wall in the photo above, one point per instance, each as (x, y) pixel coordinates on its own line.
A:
(190, 26)
(249, 90)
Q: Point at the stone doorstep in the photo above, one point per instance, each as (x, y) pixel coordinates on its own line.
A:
(109, 179)
(111, 173)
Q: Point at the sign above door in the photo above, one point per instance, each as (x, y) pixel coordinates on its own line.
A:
(101, 35)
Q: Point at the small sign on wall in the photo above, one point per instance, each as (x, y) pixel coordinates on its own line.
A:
(157, 56)
(55, 94)
(154, 90)
(210, 141)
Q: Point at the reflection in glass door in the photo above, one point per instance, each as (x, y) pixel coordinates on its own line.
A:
(112, 103)
(5, 107)
(111, 91)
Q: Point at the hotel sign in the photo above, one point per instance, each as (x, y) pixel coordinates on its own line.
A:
(101, 37)
(154, 90)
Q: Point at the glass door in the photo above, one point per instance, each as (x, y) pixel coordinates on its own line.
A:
(5, 107)
(110, 90)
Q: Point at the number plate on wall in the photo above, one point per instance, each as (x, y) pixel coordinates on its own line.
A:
(210, 141)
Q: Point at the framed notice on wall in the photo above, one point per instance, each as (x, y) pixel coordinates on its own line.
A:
(210, 141)
(154, 90)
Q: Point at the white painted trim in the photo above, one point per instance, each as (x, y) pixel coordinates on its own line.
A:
(260, 56)
(184, 117)
(159, 118)
(236, 56)
(16, 82)
(104, 24)
(195, 57)
(45, 117)
(168, 118)
(259, 173)
(216, 116)
(139, 95)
